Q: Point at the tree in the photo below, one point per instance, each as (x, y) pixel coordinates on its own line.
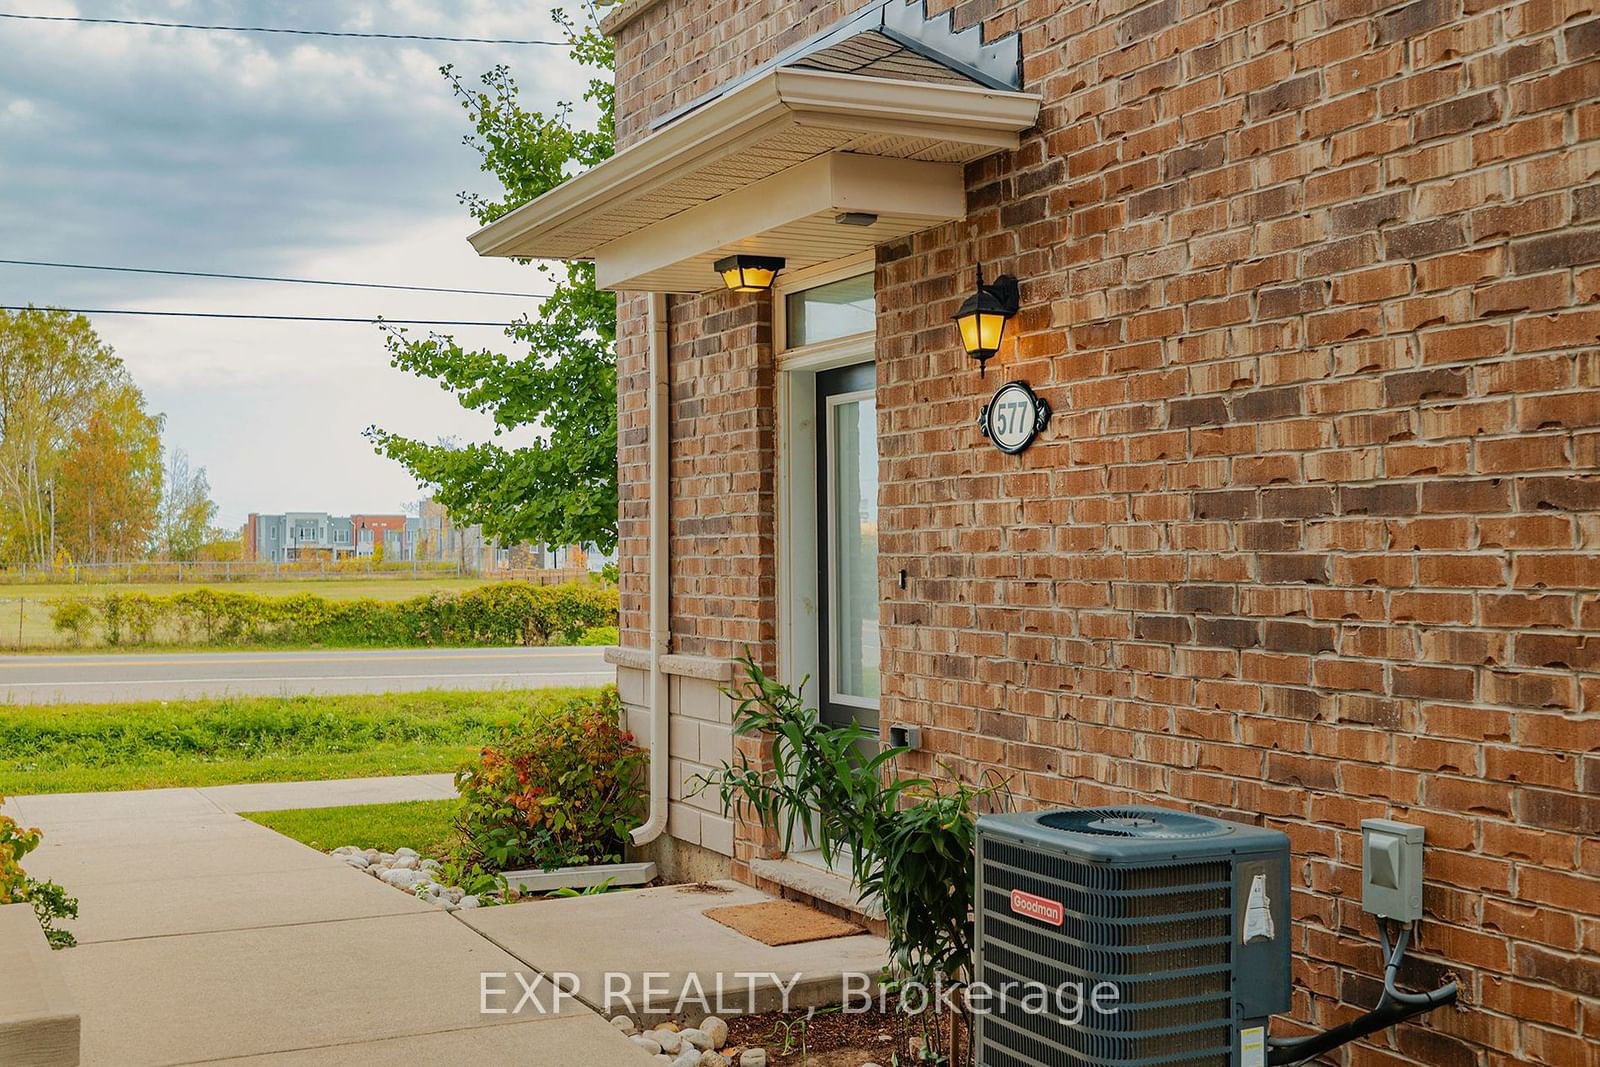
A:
(562, 488)
(54, 370)
(221, 546)
(186, 508)
(108, 492)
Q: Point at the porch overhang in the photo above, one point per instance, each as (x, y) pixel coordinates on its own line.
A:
(768, 167)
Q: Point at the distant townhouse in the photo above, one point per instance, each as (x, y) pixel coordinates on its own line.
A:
(299, 536)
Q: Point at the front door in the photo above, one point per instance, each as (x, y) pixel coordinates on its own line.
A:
(848, 645)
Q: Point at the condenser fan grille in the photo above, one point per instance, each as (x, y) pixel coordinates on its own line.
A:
(1142, 823)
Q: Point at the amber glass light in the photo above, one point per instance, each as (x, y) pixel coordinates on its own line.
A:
(984, 316)
(749, 274)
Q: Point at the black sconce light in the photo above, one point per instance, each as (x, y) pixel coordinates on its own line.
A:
(984, 316)
(749, 274)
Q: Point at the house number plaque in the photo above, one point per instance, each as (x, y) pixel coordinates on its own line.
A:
(1014, 417)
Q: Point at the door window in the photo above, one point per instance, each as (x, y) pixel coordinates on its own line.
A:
(849, 643)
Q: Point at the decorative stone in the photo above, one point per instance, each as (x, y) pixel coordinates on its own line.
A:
(468, 902)
(716, 1030)
(623, 1023)
(645, 1043)
(407, 852)
(373, 855)
(689, 1057)
(670, 1027)
(712, 1058)
(696, 1037)
(405, 863)
(356, 860)
(670, 1042)
(455, 893)
(401, 879)
(753, 1057)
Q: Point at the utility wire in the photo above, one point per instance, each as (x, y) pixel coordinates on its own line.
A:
(278, 29)
(372, 321)
(269, 278)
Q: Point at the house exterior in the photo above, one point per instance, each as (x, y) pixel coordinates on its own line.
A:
(297, 536)
(1312, 533)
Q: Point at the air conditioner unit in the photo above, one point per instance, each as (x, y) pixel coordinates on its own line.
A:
(1186, 918)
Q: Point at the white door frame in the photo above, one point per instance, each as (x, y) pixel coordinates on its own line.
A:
(798, 654)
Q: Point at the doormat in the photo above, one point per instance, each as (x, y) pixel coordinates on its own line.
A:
(782, 922)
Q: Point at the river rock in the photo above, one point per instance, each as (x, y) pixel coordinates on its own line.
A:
(696, 1037)
(645, 1043)
(716, 1030)
(753, 1057)
(469, 902)
(670, 1042)
(713, 1058)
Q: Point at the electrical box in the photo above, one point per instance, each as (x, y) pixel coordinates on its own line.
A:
(1391, 869)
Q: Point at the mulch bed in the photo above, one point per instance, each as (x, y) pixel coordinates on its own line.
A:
(829, 1038)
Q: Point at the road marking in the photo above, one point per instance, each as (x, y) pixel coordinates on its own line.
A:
(310, 678)
(64, 663)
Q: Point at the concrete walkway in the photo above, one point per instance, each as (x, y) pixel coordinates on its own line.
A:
(206, 938)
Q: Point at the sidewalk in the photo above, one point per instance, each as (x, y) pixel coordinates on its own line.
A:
(205, 937)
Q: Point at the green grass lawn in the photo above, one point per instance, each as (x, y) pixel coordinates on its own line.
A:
(25, 609)
(65, 748)
(425, 825)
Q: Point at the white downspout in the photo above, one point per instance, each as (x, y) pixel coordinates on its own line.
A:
(660, 573)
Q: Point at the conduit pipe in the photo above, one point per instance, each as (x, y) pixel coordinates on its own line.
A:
(660, 573)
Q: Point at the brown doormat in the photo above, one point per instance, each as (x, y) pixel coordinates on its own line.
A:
(782, 922)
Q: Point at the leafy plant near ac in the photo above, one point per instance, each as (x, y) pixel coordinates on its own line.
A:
(558, 788)
(907, 841)
(506, 613)
(49, 901)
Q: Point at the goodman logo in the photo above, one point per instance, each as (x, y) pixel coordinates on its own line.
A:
(1046, 911)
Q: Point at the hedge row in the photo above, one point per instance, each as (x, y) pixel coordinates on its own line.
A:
(508, 613)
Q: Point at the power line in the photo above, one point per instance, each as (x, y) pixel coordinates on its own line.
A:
(269, 278)
(374, 321)
(278, 29)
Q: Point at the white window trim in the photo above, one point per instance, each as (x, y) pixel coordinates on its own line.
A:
(849, 700)
(810, 278)
(799, 657)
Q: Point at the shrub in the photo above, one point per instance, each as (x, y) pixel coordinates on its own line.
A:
(50, 902)
(503, 613)
(556, 789)
(72, 616)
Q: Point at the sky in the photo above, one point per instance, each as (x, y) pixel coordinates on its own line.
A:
(325, 158)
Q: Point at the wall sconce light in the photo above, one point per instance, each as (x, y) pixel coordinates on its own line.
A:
(749, 274)
(983, 317)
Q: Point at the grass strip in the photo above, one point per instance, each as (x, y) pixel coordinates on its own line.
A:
(93, 747)
(425, 825)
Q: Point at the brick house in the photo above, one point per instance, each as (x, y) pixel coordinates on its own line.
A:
(1314, 533)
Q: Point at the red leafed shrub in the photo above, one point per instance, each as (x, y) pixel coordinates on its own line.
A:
(558, 788)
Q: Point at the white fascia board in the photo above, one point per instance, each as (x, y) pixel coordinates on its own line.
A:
(970, 115)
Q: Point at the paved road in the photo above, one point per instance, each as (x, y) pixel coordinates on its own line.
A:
(176, 676)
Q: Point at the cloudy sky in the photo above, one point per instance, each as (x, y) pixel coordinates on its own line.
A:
(324, 158)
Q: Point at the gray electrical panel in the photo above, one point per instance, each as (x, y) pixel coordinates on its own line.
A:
(1391, 869)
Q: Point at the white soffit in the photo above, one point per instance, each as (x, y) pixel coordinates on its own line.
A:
(766, 168)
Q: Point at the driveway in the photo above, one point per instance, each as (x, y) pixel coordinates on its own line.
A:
(176, 676)
(206, 938)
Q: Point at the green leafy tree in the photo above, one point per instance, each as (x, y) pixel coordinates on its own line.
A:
(54, 373)
(562, 487)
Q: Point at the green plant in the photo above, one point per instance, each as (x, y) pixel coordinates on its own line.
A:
(500, 613)
(558, 788)
(586, 891)
(49, 901)
(908, 841)
(72, 616)
(601, 635)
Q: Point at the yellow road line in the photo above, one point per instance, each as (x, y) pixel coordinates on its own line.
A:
(126, 661)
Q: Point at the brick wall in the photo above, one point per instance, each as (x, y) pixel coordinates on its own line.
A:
(1315, 535)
